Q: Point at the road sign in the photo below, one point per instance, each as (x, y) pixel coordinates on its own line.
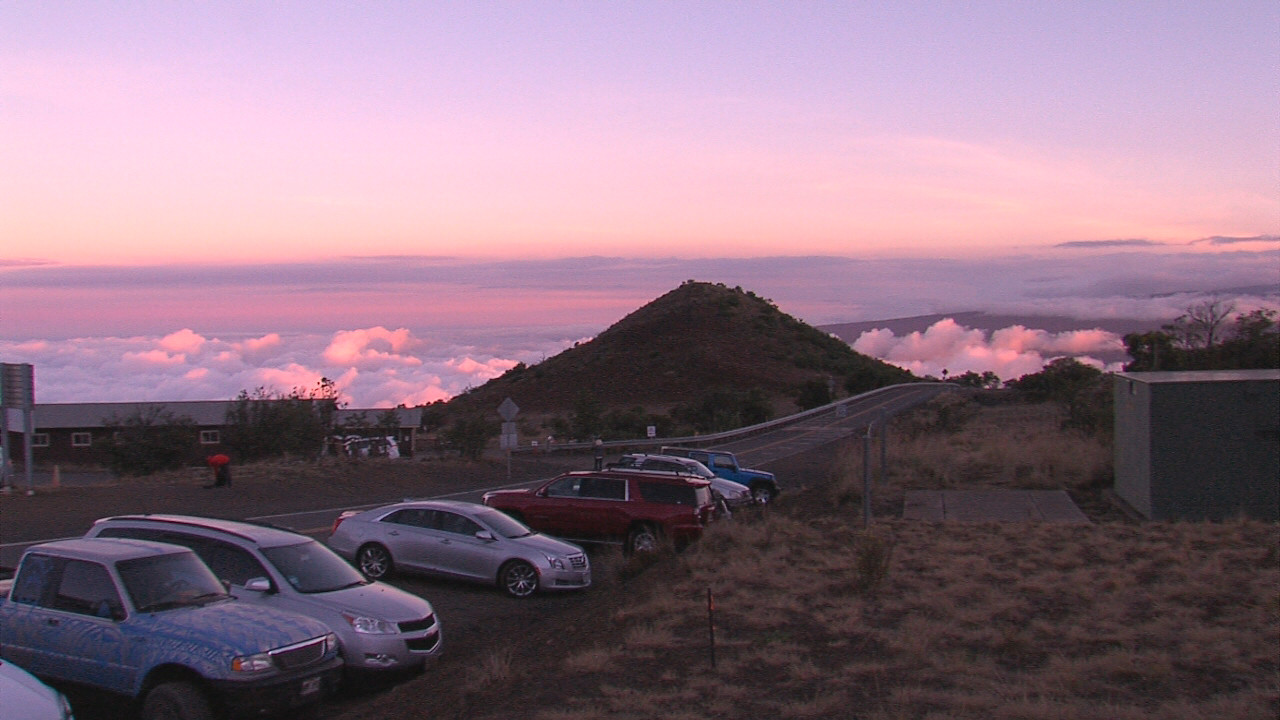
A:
(508, 410)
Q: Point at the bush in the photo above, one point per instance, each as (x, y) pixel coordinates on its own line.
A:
(149, 440)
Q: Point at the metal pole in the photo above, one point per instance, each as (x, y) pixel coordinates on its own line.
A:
(711, 626)
(884, 443)
(866, 478)
(6, 456)
(28, 421)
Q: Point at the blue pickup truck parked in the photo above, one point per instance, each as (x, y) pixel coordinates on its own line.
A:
(764, 486)
(149, 621)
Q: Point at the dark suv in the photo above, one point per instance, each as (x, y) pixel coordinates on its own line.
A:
(638, 509)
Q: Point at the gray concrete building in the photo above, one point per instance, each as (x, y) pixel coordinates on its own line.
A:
(1198, 445)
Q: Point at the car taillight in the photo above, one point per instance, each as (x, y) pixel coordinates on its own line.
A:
(338, 520)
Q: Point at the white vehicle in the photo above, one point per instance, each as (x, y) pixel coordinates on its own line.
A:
(23, 697)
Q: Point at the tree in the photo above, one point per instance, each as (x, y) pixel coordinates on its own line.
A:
(586, 421)
(1152, 351)
(1201, 325)
(266, 423)
(814, 393)
(987, 380)
(1080, 388)
(1200, 340)
(148, 440)
(470, 435)
(389, 423)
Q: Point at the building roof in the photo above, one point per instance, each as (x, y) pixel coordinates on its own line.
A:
(203, 413)
(1194, 376)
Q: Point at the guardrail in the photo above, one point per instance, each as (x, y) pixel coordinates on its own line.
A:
(735, 434)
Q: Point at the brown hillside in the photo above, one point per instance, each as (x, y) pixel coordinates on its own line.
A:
(695, 339)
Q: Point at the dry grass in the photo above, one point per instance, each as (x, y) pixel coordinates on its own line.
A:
(815, 618)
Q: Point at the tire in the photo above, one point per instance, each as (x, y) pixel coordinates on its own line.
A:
(176, 701)
(518, 579)
(374, 561)
(762, 493)
(642, 539)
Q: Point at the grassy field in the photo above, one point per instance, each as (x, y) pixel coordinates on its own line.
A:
(815, 617)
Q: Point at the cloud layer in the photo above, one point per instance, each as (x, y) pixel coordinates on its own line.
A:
(412, 330)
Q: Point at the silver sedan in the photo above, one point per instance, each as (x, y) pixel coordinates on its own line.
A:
(461, 540)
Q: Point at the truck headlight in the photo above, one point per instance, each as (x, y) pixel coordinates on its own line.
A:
(370, 626)
(252, 663)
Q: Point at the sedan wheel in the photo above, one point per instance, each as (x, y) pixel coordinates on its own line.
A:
(374, 561)
(518, 578)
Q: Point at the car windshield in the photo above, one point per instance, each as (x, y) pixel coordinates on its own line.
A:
(163, 582)
(502, 523)
(313, 568)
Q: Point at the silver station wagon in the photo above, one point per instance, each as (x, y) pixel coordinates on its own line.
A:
(461, 540)
(379, 627)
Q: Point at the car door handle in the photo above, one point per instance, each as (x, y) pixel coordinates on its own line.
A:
(52, 621)
(446, 541)
(393, 532)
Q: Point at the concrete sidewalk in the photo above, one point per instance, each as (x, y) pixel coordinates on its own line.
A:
(992, 505)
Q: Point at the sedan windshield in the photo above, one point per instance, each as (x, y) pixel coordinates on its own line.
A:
(313, 568)
(502, 523)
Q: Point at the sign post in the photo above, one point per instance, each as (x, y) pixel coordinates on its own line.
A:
(17, 392)
(510, 437)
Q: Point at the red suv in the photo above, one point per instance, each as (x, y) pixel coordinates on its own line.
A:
(636, 508)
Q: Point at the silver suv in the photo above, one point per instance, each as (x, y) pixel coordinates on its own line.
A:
(733, 495)
(379, 627)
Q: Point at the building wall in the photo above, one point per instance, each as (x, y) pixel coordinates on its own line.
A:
(1212, 446)
(1133, 443)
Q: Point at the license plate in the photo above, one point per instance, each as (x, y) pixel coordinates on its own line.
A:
(310, 686)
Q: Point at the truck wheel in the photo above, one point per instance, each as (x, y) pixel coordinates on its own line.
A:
(643, 539)
(374, 561)
(176, 701)
(762, 493)
(518, 578)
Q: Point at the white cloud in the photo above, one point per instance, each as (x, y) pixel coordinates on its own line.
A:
(371, 367)
(372, 347)
(183, 341)
(1009, 352)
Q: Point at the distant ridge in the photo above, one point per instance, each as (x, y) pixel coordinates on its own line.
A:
(695, 339)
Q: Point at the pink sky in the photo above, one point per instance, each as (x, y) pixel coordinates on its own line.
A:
(267, 132)
(498, 180)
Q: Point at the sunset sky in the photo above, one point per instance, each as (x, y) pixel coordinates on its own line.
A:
(476, 175)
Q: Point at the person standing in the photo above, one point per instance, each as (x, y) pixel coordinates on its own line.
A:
(221, 465)
(599, 449)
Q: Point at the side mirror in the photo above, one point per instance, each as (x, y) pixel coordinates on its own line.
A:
(259, 584)
(484, 535)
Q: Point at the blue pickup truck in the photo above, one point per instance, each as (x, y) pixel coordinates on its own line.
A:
(764, 486)
(149, 621)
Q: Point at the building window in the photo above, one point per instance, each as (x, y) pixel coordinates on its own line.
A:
(39, 439)
(209, 437)
(81, 439)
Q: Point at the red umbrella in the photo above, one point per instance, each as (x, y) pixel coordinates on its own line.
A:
(217, 460)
